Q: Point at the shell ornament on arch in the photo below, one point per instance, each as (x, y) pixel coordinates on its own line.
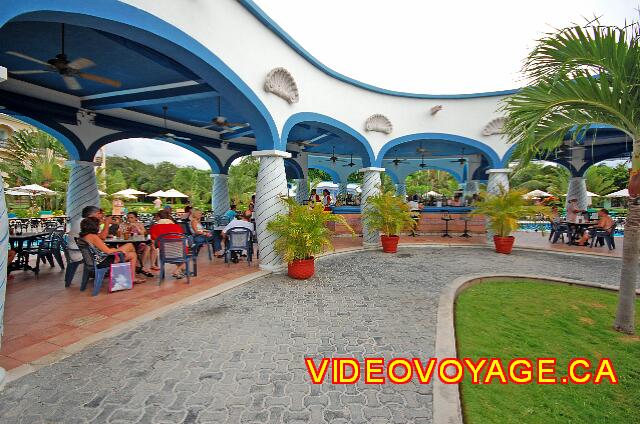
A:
(281, 83)
(379, 123)
(494, 126)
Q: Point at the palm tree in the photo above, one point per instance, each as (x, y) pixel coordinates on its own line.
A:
(581, 76)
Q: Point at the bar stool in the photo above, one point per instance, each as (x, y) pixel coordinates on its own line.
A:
(446, 218)
(466, 220)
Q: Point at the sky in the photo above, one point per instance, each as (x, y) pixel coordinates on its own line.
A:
(417, 46)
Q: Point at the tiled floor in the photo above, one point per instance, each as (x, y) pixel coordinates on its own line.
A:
(42, 316)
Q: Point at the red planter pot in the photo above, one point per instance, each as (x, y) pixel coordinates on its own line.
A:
(504, 244)
(302, 269)
(389, 243)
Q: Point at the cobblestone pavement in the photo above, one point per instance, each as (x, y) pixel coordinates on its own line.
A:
(238, 357)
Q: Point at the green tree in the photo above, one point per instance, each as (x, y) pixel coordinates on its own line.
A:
(115, 181)
(423, 181)
(599, 180)
(581, 76)
(242, 179)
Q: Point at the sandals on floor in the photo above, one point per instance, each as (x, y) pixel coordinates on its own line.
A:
(139, 281)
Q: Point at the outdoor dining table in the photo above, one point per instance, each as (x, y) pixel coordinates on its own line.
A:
(581, 227)
(17, 243)
(136, 240)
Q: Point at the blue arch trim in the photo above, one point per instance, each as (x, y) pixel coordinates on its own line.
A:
(340, 128)
(490, 154)
(276, 29)
(211, 160)
(71, 143)
(507, 156)
(335, 177)
(227, 164)
(394, 177)
(293, 168)
(129, 22)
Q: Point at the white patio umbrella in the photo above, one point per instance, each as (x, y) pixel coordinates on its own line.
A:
(620, 193)
(33, 190)
(173, 193)
(12, 192)
(101, 193)
(128, 192)
(159, 193)
(590, 194)
(432, 193)
(536, 194)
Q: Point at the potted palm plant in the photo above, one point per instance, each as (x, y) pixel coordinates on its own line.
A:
(390, 215)
(504, 209)
(301, 234)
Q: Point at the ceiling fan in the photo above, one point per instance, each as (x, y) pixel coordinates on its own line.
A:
(68, 70)
(461, 160)
(311, 142)
(333, 159)
(167, 134)
(397, 161)
(351, 163)
(221, 121)
(421, 149)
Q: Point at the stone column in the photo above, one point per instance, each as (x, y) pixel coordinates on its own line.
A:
(401, 190)
(219, 194)
(472, 187)
(370, 186)
(302, 190)
(4, 245)
(578, 190)
(342, 189)
(271, 185)
(82, 191)
(497, 178)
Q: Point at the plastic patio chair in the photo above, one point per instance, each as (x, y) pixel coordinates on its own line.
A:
(72, 265)
(45, 249)
(92, 268)
(601, 236)
(559, 230)
(195, 245)
(174, 248)
(238, 240)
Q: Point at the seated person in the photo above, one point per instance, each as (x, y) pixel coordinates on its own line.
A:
(605, 222)
(115, 229)
(186, 215)
(554, 216)
(231, 213)
(200, 235)
(89, 230)
(244, 222)
(165, 225)
(96, 212)
(134, 228)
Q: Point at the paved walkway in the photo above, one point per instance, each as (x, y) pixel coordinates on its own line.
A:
(238, 357)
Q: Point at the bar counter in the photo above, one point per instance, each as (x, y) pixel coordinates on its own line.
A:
(430, 220)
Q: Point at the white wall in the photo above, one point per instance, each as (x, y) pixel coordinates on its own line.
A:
(251, 50)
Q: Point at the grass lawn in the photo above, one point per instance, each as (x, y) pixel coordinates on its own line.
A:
(533, 320)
